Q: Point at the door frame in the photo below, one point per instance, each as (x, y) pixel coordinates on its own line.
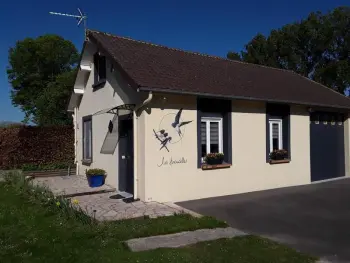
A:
(121, 119)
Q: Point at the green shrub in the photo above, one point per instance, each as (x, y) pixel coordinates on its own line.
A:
(96, 171)
(43, 196)
(46, 167)
(26, 145)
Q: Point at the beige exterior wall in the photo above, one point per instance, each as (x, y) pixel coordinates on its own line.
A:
(249, 170)
(115, 92)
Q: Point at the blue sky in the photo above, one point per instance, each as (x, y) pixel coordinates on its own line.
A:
(212, 27)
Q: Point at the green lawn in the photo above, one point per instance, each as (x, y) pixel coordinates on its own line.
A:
(31, 231)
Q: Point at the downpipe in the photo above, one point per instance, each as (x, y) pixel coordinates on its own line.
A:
(135, 134)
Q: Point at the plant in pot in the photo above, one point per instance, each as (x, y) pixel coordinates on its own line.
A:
(95, 177)
(214, 158)
(279, 154)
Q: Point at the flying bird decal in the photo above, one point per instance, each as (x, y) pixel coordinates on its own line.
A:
(178, 123)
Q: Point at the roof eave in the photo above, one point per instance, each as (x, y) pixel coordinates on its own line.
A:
(182, 92)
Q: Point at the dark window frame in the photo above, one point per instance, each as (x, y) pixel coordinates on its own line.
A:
(207, 107)
(278, 111)
(86, 161)
(100, 70)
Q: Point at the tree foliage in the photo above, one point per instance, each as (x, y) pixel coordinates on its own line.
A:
(40, 72)
(234, 56)
(317, 47)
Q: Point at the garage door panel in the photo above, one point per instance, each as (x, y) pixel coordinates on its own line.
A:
(327, 146)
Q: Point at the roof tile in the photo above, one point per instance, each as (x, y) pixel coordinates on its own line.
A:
(161, 68)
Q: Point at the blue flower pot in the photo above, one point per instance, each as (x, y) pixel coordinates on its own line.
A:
(96, 180)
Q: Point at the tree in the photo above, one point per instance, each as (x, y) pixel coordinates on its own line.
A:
(234, 56)
(51, 104)
(317, 47)
(37, 68)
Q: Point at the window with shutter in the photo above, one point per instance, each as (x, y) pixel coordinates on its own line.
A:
(100, 69)
(276, 141)
(214, 128)
(211, 135)
(87, 138)
(204, 138)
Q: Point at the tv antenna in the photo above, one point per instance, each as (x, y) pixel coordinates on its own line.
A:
(81, 17)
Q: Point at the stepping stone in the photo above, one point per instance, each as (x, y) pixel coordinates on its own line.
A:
(182, 239)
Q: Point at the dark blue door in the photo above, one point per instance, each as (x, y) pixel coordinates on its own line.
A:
(126, 156)
(327, 146)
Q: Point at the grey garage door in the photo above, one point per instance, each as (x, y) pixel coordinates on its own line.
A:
(327, 145)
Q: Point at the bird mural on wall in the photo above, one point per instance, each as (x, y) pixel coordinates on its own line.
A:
(177, 124)
(162, 136)
(171, 129)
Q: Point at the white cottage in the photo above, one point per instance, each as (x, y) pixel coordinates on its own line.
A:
(149, 115)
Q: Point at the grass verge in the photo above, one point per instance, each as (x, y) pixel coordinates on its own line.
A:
(34, 229)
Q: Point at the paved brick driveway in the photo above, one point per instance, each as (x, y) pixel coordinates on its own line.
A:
(313, 218)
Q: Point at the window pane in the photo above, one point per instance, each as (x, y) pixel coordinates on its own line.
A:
(204, 138)
(276, 135)
(102, 67)
(87, 140)
(275, 143)
(275, 131)
(214, 133)
(203, 133)
(214, 137)
(214, 148)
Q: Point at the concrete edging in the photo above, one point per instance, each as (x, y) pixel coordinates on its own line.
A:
(182, 239)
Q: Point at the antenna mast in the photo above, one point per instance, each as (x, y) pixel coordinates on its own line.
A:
(81, 17)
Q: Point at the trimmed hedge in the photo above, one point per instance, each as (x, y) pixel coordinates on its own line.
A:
(38, 148)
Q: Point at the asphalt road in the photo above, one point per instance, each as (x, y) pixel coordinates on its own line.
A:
(314, 218)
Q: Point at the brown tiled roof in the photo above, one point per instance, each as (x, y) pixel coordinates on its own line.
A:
(159, 68)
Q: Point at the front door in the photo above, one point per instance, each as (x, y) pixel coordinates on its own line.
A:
(126, 156)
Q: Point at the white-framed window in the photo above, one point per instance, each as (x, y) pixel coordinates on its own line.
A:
(100, 68)
(87, 138)
(275, 129)
(211, 135)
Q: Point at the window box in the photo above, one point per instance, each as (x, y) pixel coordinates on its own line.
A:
(216, 166)
(214, 158)
(279, 154)
(279, 161)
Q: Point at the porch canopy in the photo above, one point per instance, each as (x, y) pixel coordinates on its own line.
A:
(120, 110)
(112, 136)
